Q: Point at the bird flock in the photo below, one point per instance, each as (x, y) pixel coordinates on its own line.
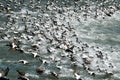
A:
(48, 33)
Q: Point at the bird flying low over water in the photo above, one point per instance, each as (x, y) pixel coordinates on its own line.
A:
(13, 45)
(77, 76)
(35, 54)
(54, 74)
(4, 73)
(22, 75)
(25, 62)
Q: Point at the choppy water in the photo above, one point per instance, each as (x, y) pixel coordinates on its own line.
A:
(96, 32)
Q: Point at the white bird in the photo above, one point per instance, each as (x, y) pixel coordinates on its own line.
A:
(108, 73)
(54, 74)
(91, 73)
(77, 76)
(4, 73)
(35, 54)
(59, 67)
(14, 45)
(23, 61)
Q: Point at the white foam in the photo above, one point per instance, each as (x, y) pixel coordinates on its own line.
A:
(32, 75)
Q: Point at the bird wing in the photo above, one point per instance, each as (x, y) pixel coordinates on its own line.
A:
(6, 71)
(21, 73)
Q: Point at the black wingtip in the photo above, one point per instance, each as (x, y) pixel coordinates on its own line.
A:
(21, 72)
(6, 71)
(4, 78)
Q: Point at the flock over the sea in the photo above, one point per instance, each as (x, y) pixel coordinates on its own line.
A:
(48, 34)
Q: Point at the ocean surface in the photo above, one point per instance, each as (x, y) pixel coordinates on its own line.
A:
(32, 23)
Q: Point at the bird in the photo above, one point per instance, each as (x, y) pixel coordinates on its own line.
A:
(13, 45)
(25, 62)
(22, 75)
(70, 49)
(4, 73)
(54, 74)
(108, 73)
(77, 76)
(91, 73)
(8, 9)
(86, 59)
(35, 54)
(59, 67)
(40, 70)
(85, 67)
(35, 46)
